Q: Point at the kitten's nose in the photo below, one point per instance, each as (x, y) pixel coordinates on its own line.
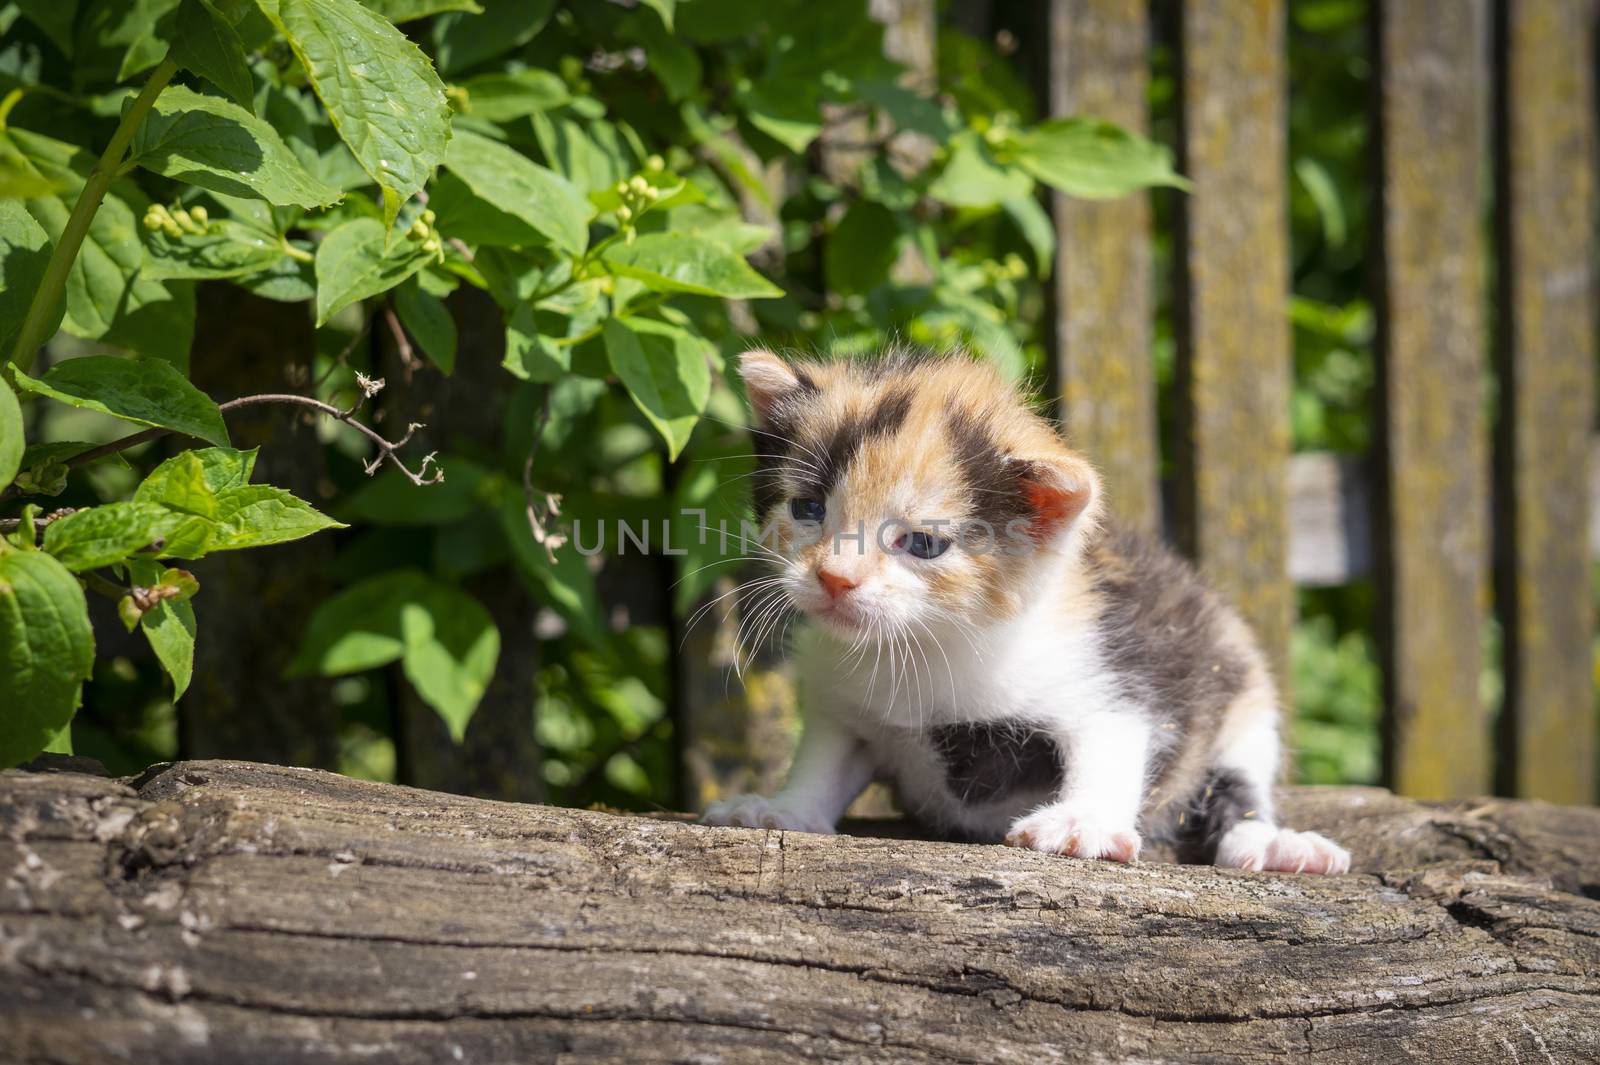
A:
(834, 584)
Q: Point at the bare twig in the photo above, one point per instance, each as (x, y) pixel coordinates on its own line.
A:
(541, 506)
(369, 387)
(402, 343)
(12, 524)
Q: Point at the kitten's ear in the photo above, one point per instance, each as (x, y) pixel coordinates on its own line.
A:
(1062, 491)
(770, 381)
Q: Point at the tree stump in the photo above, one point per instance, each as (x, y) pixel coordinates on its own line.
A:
(230, 911)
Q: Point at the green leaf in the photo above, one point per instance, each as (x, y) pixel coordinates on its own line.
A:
(170, 628)
(224, 511)
(468, 217)
(664, 8)
(451, 649)
(973, 178)
(24, 251)
(357, 629)
(665, 371)
(380, 90)
(530, 352)
(790, 114)
(55, 18)
(862, 248)
(428, 321)
(353, 265)
(507, 97)
(207, 44)
(409, 10)
(146, 391)
(99, 536)
(227, 249)
(446, 640)
(107, 296)
(190, 480)
(117, 39)
(11, 444)
(287, 280)
(258, 515)
(675, 63)
(1094, 159)
(1036, 227)
(460, 41)
(565, 584)
(218, 145)
(517, 185)
(674, 262)
(46, 651)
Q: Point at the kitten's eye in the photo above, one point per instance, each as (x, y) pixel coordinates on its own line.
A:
(926, 545)
(807, 510)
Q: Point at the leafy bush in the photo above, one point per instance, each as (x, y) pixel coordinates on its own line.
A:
(601, 171)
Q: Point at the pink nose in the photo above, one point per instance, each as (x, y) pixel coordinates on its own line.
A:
(834, 584)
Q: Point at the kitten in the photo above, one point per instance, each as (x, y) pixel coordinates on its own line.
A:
(1023, 669)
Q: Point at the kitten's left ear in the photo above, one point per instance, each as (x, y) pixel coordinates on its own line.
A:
(1061, 491)
(770, 382)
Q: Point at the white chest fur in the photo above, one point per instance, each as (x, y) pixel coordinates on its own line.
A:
(1025, 684)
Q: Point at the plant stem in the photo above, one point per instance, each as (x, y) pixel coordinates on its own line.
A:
(37, 326)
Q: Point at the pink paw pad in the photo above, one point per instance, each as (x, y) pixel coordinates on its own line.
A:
(1053, 830)
(1265, 848)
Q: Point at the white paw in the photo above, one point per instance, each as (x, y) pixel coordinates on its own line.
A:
(753, 811)
(1061, 828)
(1267, 848)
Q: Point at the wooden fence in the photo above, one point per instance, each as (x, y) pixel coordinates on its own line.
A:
(1476, 498)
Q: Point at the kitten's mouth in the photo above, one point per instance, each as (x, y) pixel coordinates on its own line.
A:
(841, 614)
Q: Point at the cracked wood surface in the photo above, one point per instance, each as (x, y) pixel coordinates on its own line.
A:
(231, 911)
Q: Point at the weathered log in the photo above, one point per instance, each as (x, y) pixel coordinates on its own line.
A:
(213, 911)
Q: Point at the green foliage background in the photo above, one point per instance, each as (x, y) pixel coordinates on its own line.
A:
(573, 214)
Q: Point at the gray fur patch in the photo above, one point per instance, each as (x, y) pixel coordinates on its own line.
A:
(1163, 636)
(989, 761)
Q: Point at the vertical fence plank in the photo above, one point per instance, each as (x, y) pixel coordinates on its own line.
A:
(1433, 472)
(1099, 65)
(1233, 329)
(1545, 353)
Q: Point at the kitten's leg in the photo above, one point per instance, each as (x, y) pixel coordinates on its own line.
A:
(1096, 814)
(831, 767)
(1237, 805)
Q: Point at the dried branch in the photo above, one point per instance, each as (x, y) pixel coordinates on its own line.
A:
(387, 449)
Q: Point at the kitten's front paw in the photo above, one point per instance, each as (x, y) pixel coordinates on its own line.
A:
(754, 811)
(1061, 828)
(1267, 848)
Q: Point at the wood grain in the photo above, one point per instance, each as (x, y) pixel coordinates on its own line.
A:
(1103, 295)
(1233, 288)
(231, 910)
(1544, 99)
(1433, 465)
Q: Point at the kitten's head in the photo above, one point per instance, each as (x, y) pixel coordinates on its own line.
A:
(909, 491)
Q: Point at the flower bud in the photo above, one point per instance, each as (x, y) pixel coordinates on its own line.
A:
(418, 230)
(199, 214)
(624, 213)
(622, 188)
(431, 245)
(638, 184)
(428, 216)
(655, 164)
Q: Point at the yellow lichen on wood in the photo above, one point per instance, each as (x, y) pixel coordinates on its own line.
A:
(1433, 548)
(1546, 353)
(1099, 65)
(1234, 341)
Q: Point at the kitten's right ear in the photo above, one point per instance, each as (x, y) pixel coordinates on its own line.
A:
(770, 382)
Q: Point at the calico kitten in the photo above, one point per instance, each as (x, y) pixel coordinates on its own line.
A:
(980, 632)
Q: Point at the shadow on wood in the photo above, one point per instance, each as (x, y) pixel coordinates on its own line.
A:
(263, 913)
